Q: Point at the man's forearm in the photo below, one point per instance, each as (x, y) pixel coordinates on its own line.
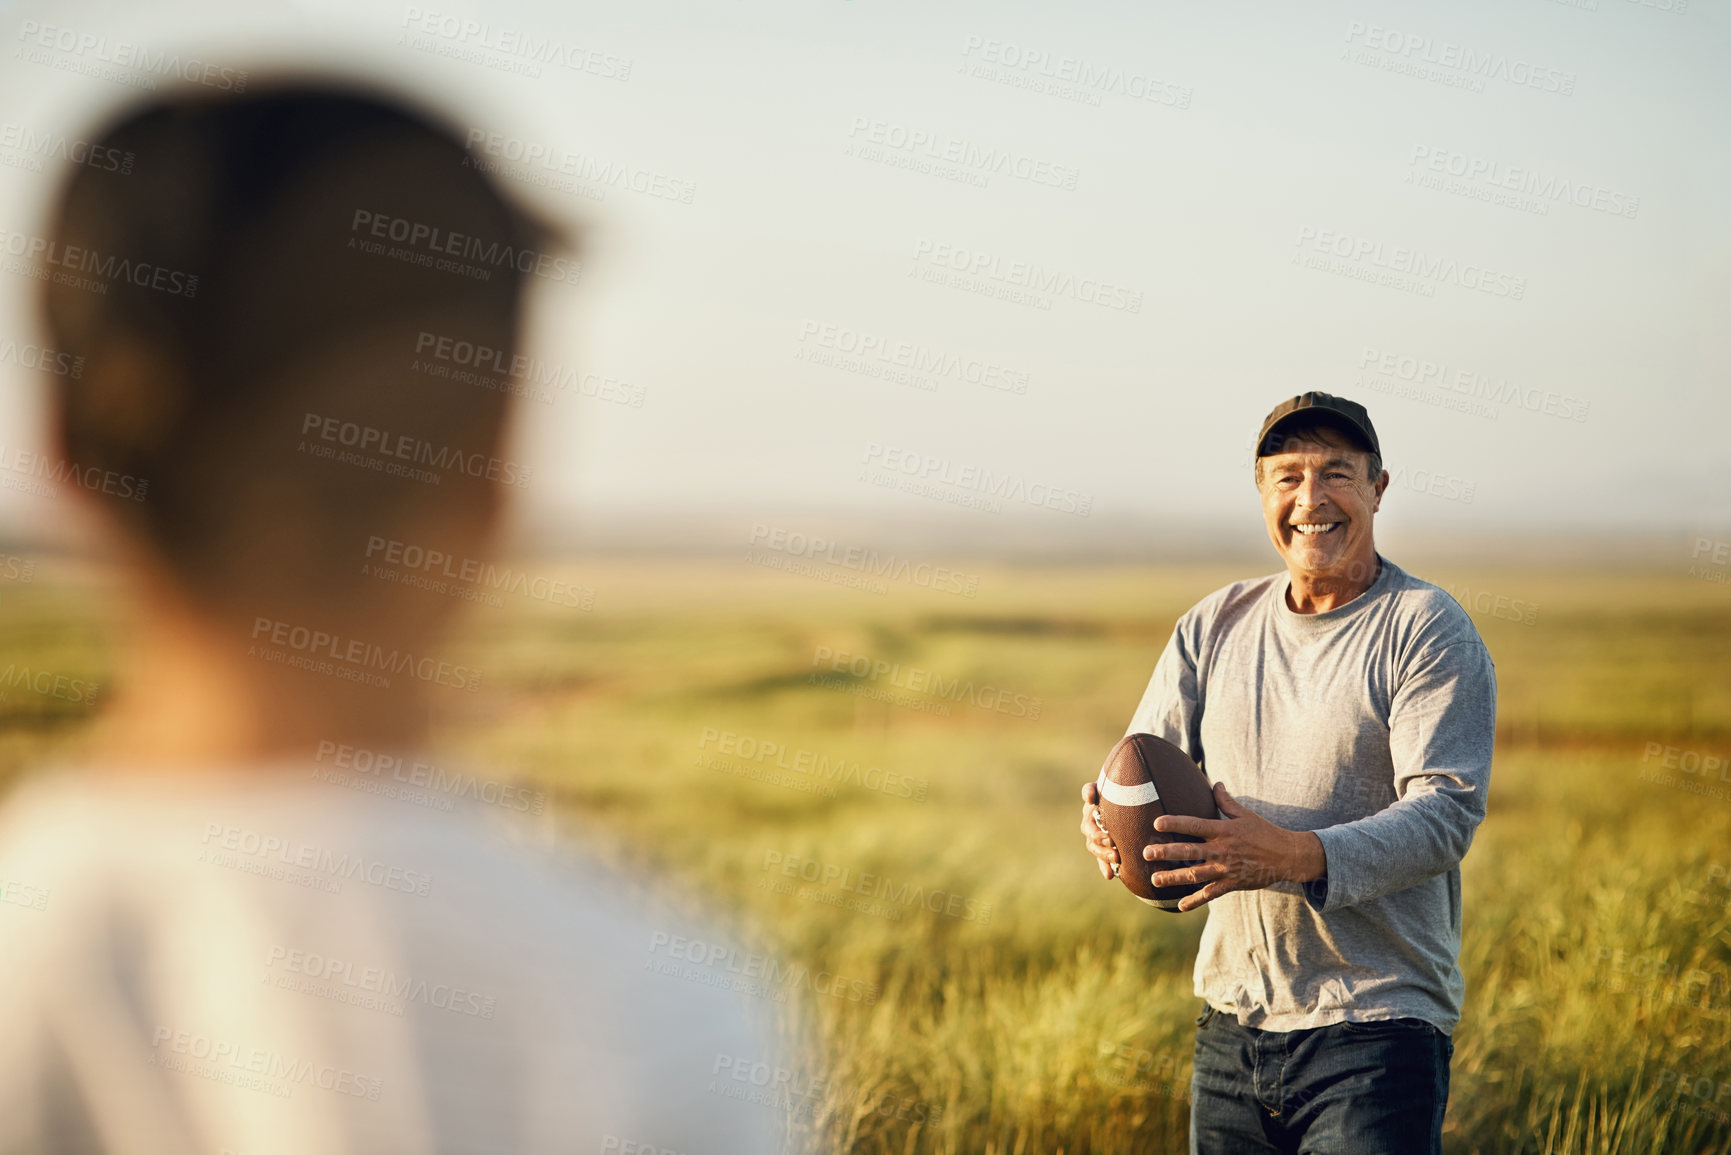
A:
(1415, 839)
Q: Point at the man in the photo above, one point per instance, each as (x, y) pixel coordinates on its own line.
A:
(271, 922)
(1346, 713)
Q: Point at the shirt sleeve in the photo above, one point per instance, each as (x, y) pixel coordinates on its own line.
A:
(1442, 727)
(1171, 706)
(76, 1069)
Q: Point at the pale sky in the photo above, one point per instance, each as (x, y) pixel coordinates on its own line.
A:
(1274, 138)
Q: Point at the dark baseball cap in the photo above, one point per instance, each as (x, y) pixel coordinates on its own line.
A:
(1350, 414)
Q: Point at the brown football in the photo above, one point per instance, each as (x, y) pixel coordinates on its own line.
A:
(1143, 778)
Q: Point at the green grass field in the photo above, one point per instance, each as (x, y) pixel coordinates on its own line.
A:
(1038, 1008)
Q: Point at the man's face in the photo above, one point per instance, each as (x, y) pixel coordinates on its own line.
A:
(1318, 501)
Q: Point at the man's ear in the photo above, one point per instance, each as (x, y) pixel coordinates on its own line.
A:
(1381, 487)
(128, 398)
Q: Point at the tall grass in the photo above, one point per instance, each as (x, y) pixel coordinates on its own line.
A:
(1050, 1012)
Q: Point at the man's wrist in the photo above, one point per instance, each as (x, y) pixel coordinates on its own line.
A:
(1310, 862)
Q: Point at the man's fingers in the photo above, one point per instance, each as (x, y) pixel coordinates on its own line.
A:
(1100, 831)
(1090, 823)
(1204, 896)
(1182, 851)
(1094, 833)
(1100, 846)
(1186, 875)
(1184, 824)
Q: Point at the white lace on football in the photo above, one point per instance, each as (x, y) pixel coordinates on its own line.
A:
(1139, 795)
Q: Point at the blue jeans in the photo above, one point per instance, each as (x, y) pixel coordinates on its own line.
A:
(1347, 1089)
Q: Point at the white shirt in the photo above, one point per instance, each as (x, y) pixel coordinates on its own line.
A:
(275, 962)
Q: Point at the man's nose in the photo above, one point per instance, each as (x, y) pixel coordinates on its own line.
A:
(1310, 494)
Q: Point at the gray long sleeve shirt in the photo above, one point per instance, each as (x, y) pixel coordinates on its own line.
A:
(1371, 724)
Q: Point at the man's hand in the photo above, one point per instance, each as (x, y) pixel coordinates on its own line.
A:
(1099, 842)
(1243, 851)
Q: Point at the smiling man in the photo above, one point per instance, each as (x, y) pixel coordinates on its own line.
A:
(1345, 711)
